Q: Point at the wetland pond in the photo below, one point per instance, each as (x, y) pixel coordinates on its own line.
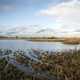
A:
(32, 52)
(46, 46)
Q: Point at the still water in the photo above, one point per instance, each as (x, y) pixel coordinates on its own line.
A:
(46, 46)
(28, 45)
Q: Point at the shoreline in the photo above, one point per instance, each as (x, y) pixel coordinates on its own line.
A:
(49, 66)
(34, 39)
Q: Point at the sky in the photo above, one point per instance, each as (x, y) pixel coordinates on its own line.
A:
(63, 16)
(24, 12)
(67, 17)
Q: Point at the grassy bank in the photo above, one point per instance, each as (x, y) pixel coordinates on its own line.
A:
(46, 40)
(64, 65)
(64, 40)
(71, 41)
(60, 65)
(11, 72)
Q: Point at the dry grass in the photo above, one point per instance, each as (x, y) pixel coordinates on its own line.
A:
(71, 41)
(61, 65)
(64, 66)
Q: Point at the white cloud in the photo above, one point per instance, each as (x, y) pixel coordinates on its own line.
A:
(20, 30)
(67, 17)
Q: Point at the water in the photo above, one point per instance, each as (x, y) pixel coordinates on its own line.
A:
(25, 45)
(46, 46)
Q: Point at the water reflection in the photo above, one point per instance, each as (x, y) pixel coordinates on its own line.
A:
(25, 45)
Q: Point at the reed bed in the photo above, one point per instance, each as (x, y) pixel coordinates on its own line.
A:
(71, 41)
(61, 65)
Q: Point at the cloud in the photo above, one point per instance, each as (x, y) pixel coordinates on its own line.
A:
(67, 17)
(62, 9)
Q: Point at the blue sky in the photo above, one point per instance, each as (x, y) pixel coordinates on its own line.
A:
(23, 12)
(62, 16)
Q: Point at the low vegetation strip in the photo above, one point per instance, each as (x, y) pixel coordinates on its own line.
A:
(65, 40)
(71, 41)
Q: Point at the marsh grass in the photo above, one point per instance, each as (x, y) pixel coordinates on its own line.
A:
(62, 65)
(65, 65)
(71, 41)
